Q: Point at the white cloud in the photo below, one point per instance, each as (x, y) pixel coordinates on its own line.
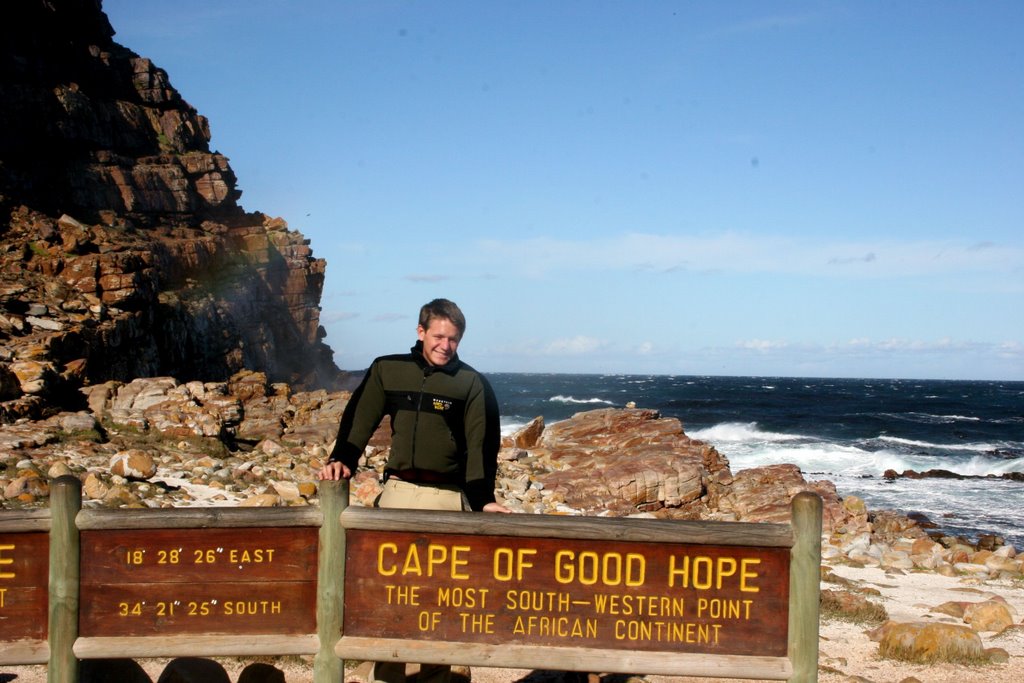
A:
(763, 345)
(770, 23)
(1010, 350)
(743, 253)
(892, 346)
(866, 258)
(573, 346)
(388, 317)
(579, 345)
(426, 278)
(337, 316)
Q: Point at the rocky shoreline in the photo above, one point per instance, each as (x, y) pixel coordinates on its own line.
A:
(157, 443)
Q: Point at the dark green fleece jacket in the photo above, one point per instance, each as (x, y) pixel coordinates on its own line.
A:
(443, 419)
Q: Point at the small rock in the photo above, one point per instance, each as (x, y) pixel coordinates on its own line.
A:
(58, 469)
(120, 495)
(288, 490)
(35, 377)
(854, 505)
(261, 500)
(528, 436)
(270, 447)
(27, 486)
(987, 616)
(133, 464)
(77, 422)
(953, 609)
(93, 487)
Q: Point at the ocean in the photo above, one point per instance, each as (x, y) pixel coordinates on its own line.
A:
(849, 431)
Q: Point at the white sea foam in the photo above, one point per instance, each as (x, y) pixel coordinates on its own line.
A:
(982, 466)
(822, 458)
(739, 432)
(930, 418)
(979, 447)
(570, 399)
(836, 459)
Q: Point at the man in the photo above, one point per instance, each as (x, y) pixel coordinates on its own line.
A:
(445, 434)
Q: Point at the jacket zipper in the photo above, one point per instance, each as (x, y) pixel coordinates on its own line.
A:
(416, 422)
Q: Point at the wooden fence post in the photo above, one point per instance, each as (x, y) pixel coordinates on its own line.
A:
(330, 599)
(805, 587)
(65, 502)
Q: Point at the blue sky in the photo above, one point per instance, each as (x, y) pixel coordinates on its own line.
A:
(745, 188)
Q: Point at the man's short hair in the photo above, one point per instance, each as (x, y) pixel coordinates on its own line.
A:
(443, 308)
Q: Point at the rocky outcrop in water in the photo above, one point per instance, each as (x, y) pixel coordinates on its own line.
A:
(123, 250)
(947, 474)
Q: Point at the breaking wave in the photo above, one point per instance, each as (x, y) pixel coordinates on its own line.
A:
(581, 401)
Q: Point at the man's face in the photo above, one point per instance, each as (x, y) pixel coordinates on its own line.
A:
(440, 340)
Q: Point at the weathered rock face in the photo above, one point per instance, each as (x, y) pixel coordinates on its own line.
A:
(624, 461)
(764, 494)
(91, 128)
(123, 250)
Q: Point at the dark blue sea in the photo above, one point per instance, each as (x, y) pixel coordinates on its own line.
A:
(849, 431)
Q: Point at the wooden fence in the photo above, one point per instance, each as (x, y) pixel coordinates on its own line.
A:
(569, 593)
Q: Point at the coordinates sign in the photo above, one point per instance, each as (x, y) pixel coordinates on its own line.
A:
(564, 592)
(177, 581)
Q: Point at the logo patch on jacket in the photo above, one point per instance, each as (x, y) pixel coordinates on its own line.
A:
(441, 404)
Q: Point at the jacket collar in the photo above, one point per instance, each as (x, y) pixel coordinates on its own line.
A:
(449, 368)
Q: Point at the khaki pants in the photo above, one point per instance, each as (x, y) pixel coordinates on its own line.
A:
(409, 496)
(406, 495)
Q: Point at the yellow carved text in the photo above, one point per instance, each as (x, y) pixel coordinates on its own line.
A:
(705, 573)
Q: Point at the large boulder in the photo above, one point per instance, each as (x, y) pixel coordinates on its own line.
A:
(764, 494)
(621, 461)
(926, 643)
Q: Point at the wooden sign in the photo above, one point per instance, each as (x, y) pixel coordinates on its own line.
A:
(24, 571)
(670, 597)
(185, 581)
(581, 593)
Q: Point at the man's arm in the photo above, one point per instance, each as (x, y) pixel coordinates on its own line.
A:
(362, 415)
(483, 441)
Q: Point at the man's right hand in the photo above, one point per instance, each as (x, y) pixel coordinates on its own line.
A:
(334, 471)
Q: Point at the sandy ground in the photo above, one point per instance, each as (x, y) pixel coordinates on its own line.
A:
(846, 653)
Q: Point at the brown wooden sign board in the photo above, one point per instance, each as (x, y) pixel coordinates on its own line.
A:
(24, 572)
(580, 593)
(188, 581)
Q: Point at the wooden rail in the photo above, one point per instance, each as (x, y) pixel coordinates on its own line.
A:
(603, 595)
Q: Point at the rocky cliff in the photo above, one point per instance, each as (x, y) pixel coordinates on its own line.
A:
(123, 250)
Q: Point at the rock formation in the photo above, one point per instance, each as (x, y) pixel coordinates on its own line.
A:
(123, 250)
(155, 442)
